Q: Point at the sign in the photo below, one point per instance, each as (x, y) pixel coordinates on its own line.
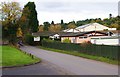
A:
(36, 38)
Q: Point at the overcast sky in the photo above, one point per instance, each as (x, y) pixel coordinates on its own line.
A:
(69, 10)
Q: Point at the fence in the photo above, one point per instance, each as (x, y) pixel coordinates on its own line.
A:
(110, 52)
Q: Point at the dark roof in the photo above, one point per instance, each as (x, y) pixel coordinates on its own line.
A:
(53, 33)
(63, 34)
(43, 33)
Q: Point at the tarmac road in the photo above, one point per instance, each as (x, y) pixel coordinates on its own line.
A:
(54, 63)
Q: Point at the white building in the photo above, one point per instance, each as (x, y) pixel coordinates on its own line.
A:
(106, 40)
(93, 27)
(71, 30)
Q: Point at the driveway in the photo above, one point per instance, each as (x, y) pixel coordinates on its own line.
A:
(54, 63)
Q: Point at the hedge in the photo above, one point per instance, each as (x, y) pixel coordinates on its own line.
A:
(107, 51)
(29, 39)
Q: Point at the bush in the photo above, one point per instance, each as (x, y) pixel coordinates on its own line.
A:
(48, 40)
(86, 43)
(29, 39)
(66, 41)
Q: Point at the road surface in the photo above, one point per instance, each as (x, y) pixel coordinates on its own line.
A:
(54, 63)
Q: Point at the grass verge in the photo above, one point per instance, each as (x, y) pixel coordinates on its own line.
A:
(0, 55)
(97, 58)
(11, 56)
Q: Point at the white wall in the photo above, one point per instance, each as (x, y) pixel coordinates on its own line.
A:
(106, 41)
(95, 27)
(36, 38)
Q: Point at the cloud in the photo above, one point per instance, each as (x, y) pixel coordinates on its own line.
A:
(76, 7)
(67, 17)
(69, 10)
(72, 1)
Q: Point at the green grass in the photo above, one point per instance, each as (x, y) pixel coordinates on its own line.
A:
(0, 55)
(102, 59)
(11, 56)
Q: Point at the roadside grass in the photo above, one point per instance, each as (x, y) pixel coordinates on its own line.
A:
(0, 55)
(11, 56)
(97, 58)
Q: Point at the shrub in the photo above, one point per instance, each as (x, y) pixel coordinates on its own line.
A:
(48, 40)
(66, 41)
(29, 39)
(85, 43)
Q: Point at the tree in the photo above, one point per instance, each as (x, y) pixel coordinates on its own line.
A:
(71, 25)
(41, 28)
(63, 25)
(51, 28)
(106, 21)
(19, 32)
(98, 20)
(52, 22)
(30, 17)
(24, 20)
(115, 25)
(62, 22)
(93, 21)
(11, 13)
(55, 28)
(110, 16)
(46, 26)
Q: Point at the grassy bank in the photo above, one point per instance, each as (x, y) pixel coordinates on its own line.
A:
(14, 57)
(102, 59)
(0, 55)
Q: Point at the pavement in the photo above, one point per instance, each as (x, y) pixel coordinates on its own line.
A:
(54, 63)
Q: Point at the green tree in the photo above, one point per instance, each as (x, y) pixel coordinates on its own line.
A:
(52, 22)
(110, 16)
(63, 25)
(51, 28)
(30, 17)
(71, 25)
(115, 25)
(62, 22)
(98, 20)
(24, 20)
(41, 28)
(46, 26)
(93, 21)
(55, 28)
(11, 13)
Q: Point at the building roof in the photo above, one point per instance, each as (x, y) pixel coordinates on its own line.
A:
(71, 30)
(83, 26)
(53, 33)
(91, 24)
(106, 37)
(115, 32)
(43, 33)
(65, 34)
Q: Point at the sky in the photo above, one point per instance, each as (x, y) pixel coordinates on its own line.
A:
(69, 10)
